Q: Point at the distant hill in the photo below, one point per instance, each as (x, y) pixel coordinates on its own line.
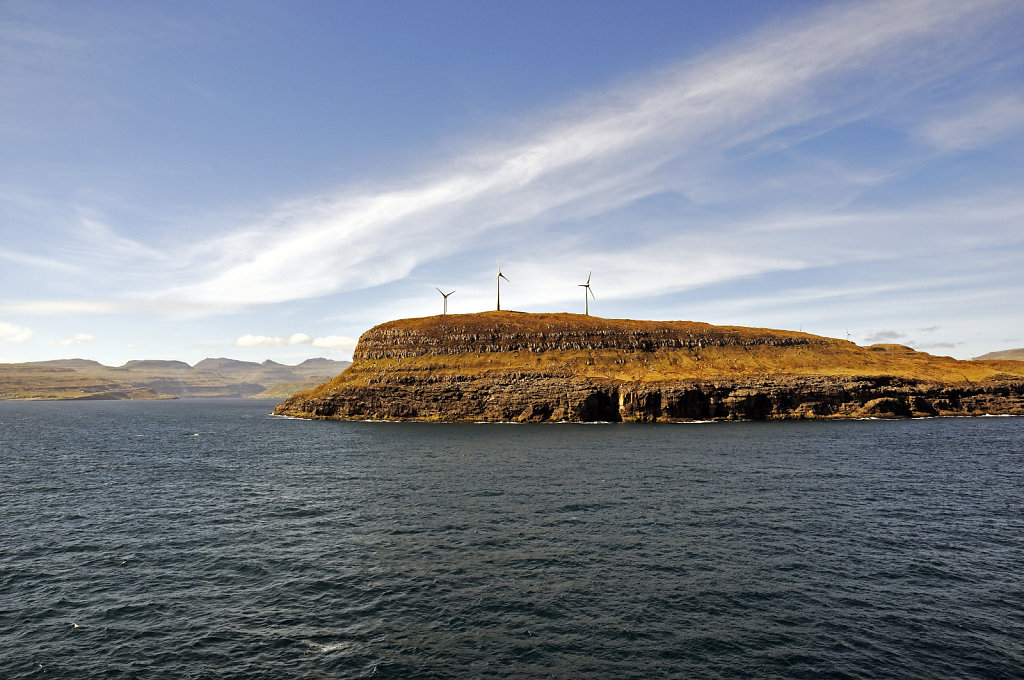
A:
(154, 379)
(1011, 354)
(75, 364)
(318, 365)
(222, 363)
(156, 364)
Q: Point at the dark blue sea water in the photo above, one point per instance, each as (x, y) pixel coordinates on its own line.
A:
(206, 539)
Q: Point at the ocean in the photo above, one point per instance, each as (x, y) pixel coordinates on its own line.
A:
(208, 539)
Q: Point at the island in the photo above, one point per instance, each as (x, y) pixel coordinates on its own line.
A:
(523, 367)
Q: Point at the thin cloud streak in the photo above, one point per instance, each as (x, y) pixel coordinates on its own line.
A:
(35, 261)
(587, 163)
(71, 307)
(985, 122)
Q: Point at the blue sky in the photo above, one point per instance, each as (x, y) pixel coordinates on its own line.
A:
(269, 179)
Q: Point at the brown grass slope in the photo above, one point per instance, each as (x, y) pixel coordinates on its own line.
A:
(517, 366)
(39, 382)
(1006, 354)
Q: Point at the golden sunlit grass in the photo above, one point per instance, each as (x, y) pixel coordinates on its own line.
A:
(727, 352)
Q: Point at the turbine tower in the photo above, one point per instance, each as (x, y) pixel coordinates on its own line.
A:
(498, 279)
(445, 296)
(586, 300)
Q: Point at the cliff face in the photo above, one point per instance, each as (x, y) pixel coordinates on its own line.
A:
(507, 366)
(518, 332)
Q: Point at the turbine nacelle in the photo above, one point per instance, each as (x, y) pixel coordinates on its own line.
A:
(498, 279)
(445, 296)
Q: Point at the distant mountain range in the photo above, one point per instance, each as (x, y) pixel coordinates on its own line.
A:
(156, 379)
(1014, 354)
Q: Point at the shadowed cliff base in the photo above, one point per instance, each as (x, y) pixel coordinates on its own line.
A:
(509, 366)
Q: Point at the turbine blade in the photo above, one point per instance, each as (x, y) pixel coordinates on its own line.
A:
(591, 292)
(588, 277)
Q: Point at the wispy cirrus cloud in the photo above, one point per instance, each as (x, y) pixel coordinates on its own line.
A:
(979, 124)
(72, 307)
(38, 262)
(609, 150)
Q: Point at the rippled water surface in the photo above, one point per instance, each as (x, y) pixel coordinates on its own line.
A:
(208, 539)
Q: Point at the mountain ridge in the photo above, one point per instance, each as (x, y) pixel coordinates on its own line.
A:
(157, 378)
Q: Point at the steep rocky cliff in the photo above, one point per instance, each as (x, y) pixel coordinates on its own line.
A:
(508, 366)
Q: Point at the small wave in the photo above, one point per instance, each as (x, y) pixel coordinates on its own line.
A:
(327, 648)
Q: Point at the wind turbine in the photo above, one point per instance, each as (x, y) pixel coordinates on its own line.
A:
(498, 278)
(445, 296)
(586, 300)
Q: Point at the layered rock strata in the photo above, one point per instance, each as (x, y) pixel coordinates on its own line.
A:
(507, 366)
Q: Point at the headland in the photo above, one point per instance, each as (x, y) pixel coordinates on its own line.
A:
(512, 366)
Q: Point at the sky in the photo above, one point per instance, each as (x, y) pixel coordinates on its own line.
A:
(268, 180)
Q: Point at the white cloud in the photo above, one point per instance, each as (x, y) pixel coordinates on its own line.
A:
(272, 341)
(332, 342)
(335, 343)
(9, 332)
(76, 339)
